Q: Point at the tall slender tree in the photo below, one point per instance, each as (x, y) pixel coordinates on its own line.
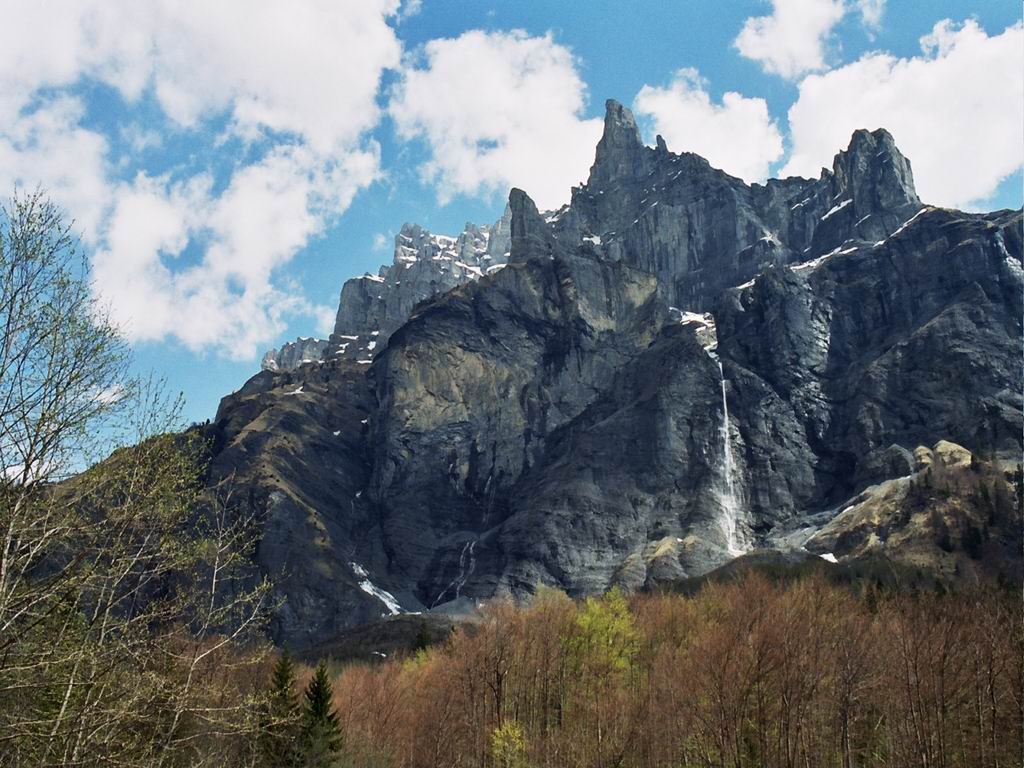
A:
(321, 734)
(279, 743)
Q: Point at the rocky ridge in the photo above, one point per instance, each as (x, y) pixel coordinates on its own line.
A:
(372, 306)
(673, 368)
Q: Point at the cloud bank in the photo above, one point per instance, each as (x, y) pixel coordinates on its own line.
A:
(184, 255)
(497, 110)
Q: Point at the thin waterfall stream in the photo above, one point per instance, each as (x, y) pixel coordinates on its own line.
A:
(730, 502)
(731, 512)
(467, 564)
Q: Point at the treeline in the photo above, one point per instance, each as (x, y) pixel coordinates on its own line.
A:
(745, 674)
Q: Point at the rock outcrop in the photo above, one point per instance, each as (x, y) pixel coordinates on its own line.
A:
(673, 368)
(292, 354)
(953, 514)
(372, 306)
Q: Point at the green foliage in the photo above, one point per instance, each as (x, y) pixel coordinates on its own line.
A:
(279, 736)
(321, 735)
(604, 641)
(508, 746)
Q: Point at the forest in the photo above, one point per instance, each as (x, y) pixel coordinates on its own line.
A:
(749, 673)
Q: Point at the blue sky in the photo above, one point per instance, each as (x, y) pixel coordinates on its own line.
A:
(230, 168)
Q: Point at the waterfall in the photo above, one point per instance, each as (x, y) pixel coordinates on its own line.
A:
(467, 564)
(730, 502)
(707, 334)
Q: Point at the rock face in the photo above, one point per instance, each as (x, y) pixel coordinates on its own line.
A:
(294, 353)
(700, 230)
(674, 368)
(952, 513)
(372, 306)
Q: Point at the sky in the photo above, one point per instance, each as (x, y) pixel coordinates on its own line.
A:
(230, 164)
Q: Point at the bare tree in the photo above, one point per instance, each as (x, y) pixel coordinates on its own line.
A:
(122, 582)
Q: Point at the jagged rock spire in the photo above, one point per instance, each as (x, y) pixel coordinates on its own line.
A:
(871, 191)
(620, 152)
(874, 173)
(530, 234)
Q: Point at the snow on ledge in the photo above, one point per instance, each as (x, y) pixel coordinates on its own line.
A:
(374, 591)
(837, 208)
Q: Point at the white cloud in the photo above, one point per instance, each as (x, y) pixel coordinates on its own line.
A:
(792, 40)
(48, 146)
(956, 111)
(227, 297)
(795, 38)
(380, 242)
(737, 135)
(309, 68)
(409, 9)
(497, 110)
(297, 84)
(871, 12)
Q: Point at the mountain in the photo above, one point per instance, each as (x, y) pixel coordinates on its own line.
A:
(673, 370)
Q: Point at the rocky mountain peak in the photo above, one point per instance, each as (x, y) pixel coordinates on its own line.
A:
(871, 190)
(292, 354)
(874, 172)
(620, 152)
(475, 430)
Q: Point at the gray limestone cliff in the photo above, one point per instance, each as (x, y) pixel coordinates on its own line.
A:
(292, 354)
(671, 370)
(374, 305)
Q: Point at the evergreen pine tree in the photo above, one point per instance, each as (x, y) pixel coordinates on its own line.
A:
(279, 740)
(422, 641)
(321, 734)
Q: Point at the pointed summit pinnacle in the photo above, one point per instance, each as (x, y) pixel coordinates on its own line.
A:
(620, 153)
(873, 172)
(619, 126)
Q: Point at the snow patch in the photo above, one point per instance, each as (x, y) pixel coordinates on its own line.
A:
(906, 224)
(685, 318)
(837, 208)
(814, 263)
(372, 589)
